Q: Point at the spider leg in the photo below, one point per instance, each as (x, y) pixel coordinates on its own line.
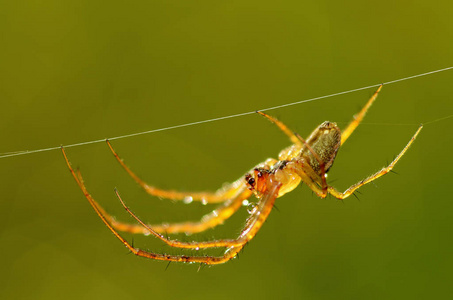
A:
(253, 224)
(210, 220)
(306, 173)
(241, 240)
(375, 176)
(99, 211)
(107, 218)
(358, 117)
(283, 128)
(180, 258)
(220, 195)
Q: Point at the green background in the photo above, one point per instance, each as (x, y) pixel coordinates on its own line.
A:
(75, 71)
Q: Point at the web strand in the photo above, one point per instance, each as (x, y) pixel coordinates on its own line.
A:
(25, 152)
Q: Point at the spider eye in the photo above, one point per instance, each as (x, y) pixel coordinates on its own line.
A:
(250, 180)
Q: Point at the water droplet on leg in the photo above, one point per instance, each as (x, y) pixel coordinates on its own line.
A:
(188, 199)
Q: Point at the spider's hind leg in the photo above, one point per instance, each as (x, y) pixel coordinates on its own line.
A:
(358, 117)
(294, 139)
(375, 176)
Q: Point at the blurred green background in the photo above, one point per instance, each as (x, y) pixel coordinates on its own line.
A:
(74, 71)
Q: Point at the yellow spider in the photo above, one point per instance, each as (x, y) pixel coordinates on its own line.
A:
(305, 160)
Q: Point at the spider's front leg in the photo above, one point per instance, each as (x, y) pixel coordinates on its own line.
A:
(210, 220)
(253, 225)
(269, 193)
(223, 194)
(259, 214)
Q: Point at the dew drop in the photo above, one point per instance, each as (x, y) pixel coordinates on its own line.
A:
(204, 201)
(188, 199)
(245, 202)
(251, 207)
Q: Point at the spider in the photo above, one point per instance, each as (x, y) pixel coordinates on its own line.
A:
(305, 161)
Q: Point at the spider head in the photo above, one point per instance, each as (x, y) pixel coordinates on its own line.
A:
(257, 180)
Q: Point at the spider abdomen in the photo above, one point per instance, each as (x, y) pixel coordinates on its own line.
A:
(324, 141)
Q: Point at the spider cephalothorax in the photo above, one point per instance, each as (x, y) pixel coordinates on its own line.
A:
(257, 180)
(304, 161)
(312, 157)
